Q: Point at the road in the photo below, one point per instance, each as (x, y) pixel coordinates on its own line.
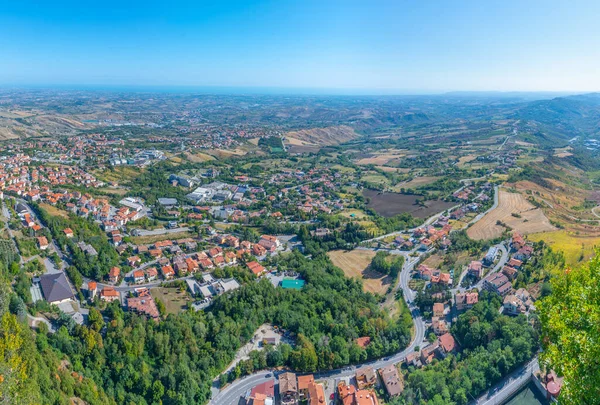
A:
(500, 392)
(494, 206)
(479, 285)
(231, 394)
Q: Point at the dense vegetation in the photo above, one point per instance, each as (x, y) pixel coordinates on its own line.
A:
(85, 230)
(139, 361)
(569, 318)
(491, 345)
(386, 263)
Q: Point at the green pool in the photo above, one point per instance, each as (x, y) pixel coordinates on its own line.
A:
(529, 395)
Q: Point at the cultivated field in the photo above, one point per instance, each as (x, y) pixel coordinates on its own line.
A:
(381, 158)
(418, 181)
(390, 204)
(529, 219)
(355, 264)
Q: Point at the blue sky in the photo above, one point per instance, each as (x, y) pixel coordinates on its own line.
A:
(388, 46)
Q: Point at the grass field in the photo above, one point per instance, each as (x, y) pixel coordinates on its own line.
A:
(55, 212)
(355, 264)
(175, 300)
(416, 182)
(358, 214)
(118, 174)
(528, 220)
(575, 247)
(198, 157)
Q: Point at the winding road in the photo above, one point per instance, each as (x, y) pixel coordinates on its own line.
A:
(231, 394)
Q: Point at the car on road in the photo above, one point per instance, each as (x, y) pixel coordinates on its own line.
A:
(269, 375)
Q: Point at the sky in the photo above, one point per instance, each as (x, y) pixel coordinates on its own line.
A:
(392, 46)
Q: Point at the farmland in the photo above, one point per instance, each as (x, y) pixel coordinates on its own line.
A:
(516, 213)
(390, 204)
(355, 264)
(576, 248)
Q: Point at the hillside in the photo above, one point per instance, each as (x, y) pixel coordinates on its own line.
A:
(565, 116)
(324, 136)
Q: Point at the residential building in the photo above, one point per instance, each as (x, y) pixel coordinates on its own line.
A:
(466, 300)
(365, 377)
(288, 389)
(392, 380)
(109, 294)
(497, 283)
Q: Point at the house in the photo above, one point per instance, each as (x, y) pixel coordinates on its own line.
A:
(143, 305)
(349, 395)
(514, 263)
(42, 242)
(151, 274)
(216, 251)
(475, 269)
(133, 261)
(447, 343)
(524, 253)
(438, 309)
(513, 305)
(425, 244)
(392, 381)
(68, 232)
(92, 289)
(490, 256)
(256, 268)
(56, 288)
(303, 382)
(190, 266)
(113, 274)
(262, 394)
(428, 353)
(466, 300)
(526, 298)
(316, 394)
(425, 272)
(517, 241)
(288, 389)
(412, 359)
(109, 294)
(509, 272)
(167, 272)
(439, 325)
(258, 250)
(365, 377)
(270, 243)
(138, 276)
(363, 342)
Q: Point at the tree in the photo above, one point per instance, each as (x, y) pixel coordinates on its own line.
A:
(569, 318)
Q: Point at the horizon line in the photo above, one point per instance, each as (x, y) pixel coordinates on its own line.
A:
(281, 90)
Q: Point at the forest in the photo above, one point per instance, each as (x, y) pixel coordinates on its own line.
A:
(139, 361)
